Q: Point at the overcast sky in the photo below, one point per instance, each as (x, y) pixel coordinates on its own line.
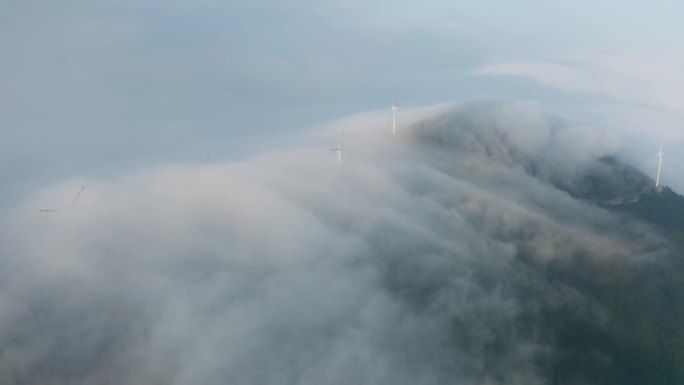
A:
(92, 88)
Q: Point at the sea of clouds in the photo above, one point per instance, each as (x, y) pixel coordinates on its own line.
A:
(452, 252)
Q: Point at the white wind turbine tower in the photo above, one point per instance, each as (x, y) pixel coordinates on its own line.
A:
(394, 117)
(659, 155)
(338, 149)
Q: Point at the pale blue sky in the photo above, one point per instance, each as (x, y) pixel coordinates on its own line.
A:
(91, 88)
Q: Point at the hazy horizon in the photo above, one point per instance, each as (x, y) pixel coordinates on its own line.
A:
(92, 88)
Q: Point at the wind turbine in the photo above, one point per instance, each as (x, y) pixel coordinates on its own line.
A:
(659, 155)
(394, 117)
(77, 195)
(72, 203)
(206, 163)
(338, 149)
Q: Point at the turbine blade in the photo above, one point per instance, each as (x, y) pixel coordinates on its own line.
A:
(206, 164)
(78, 195)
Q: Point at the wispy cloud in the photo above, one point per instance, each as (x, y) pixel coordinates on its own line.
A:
(634, 82)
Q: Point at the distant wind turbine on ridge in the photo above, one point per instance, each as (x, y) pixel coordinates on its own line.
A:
(659, 155)
(77, 195)
(394, 117)
(206, 163)
(338, 149)
(72, 203)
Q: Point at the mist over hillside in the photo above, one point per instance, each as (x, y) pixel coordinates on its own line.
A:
(480, 245)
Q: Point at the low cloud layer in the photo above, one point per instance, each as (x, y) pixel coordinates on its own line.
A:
(458, 251)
